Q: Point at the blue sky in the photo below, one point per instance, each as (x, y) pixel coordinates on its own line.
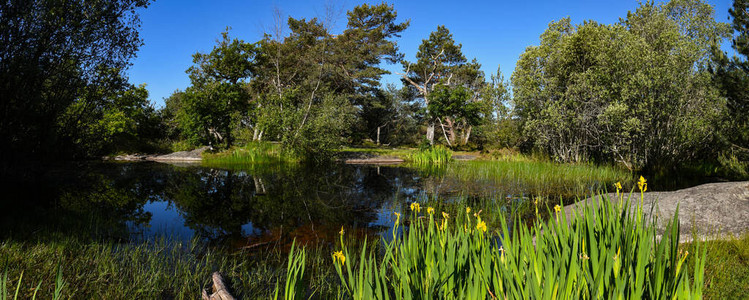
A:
(494, 32)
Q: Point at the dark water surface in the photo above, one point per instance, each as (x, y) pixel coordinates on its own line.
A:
(247, 207)
(139, 201)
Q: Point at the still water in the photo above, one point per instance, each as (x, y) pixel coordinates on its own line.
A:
(241, 207)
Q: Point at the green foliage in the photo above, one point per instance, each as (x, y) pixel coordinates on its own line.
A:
(122, 121)
(459, 110)
(5, 292)
(733, 167)
(108, 270)
(441, 67)
(637, 92)
(250, 154)
(727, 267)
(310, 83)
(538, 177)
(732, 76)
(606, 251)
(207, 110)
(435, 155)
(60, 72)
(294, 286)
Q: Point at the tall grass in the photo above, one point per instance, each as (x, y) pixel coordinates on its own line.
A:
(436, 155)
(5, 292)
(727, 267)
(539, 177)
(606, 251)
(250, 154)
(160, 269)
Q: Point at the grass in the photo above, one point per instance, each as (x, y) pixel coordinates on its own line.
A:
(161, 269)
(250, 154)
(535, 178)
(437, 155)
(727, 268)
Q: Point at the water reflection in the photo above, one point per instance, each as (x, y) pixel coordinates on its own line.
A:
(243, 208)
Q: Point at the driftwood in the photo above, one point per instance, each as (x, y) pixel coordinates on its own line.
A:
(219, 289)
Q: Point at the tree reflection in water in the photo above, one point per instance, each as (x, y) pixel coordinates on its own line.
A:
(241, 208)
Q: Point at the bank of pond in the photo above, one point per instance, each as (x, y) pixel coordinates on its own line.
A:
(151, 230)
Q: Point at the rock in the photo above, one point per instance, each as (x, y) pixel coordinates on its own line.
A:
(128, 157)
(464, 157)
(182, 156)
(709, 208)
(375, 161)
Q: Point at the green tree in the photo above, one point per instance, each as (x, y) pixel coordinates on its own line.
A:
(58, 54)
(311, 84)
(637, 92)
(440, 61)
(500, 130)
(218, 98)
(122, 120)
(458, 106)
(732, 74)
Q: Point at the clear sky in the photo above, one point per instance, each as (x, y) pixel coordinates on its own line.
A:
(494, 32)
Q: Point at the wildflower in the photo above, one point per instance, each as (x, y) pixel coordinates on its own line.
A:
(618, 186)
(468, 210)
(617, 253)
(415, 207)
(584, 256)
(445, 215)
(339, 257)
(341, 232)
(397, 217)
(557, 208)
(478, 214)
(430, 210)
(502, 254)
(642, 184)
(481, 226)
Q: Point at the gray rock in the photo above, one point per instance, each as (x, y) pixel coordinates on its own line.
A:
(708, 210)
(182, 156)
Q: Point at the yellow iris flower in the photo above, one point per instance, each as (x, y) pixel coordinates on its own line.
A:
(339, 257)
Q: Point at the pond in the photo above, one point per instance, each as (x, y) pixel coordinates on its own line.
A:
(246, 207)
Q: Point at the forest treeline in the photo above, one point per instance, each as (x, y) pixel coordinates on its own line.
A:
(653, 90)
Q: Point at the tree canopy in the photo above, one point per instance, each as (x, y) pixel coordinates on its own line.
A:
(61, 61)
(652, 90)
(636, 92)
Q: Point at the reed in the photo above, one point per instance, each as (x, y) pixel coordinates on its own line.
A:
(436, 155)
(250, 154)
(540, 178)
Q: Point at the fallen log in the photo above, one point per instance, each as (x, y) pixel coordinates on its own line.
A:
(219, 289)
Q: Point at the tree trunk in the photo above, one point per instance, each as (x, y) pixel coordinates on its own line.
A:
(430, 133)
(451, 130)
(445, 134)
(378, 135)
(468, 135)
